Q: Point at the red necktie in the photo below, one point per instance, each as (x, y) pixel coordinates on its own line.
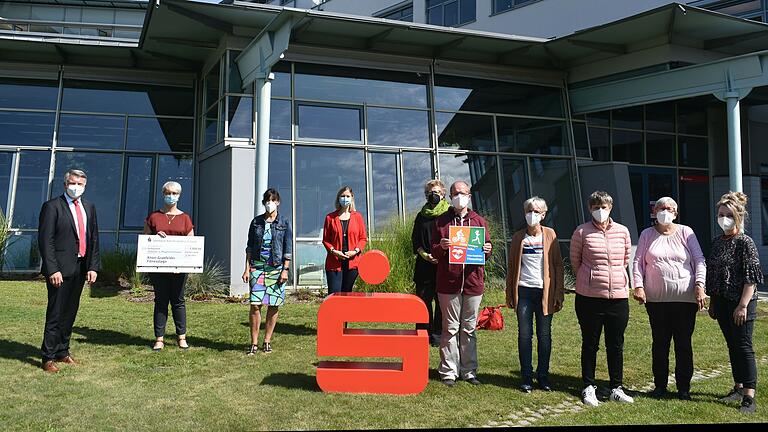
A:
(80, 228)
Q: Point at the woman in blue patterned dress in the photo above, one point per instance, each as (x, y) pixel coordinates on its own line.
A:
(267, 261)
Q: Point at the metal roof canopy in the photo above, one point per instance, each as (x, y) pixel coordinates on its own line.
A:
(136, 4)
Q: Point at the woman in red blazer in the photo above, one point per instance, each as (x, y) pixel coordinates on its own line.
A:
(344, 238)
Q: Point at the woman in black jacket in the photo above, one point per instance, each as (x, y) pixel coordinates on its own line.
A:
(424, 270)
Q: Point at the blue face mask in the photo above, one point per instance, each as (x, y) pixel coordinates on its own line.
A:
(345, 201)
(171, 199)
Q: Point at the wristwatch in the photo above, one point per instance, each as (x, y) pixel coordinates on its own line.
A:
(357, 251)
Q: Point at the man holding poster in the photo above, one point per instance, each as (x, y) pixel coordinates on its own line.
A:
(461, 243)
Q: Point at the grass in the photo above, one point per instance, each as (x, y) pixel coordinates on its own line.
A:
(122, 385)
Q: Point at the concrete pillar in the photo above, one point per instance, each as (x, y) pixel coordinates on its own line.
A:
(734, 141)
(264, 87)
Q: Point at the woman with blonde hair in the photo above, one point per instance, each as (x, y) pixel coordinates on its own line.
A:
(344, 239)
(669, 274)
(535, 288)
(169, 287)
(733, 272)
(425, 268)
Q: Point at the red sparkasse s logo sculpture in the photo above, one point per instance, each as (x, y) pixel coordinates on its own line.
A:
(409, 376)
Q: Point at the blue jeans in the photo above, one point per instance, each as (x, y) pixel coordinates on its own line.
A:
(528, 305)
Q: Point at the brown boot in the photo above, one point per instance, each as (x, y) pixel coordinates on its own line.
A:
(50, 367)
(66, 359)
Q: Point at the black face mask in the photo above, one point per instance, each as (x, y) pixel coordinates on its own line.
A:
(433, 198)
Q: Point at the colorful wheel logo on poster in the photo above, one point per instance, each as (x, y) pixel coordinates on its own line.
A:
(466, 245)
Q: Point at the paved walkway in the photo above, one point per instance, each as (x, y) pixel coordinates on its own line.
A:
(528, 416)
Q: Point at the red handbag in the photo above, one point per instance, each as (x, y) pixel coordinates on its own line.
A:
(491, 318)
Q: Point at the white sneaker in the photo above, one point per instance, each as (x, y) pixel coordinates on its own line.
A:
(588, 396)
(618, 395)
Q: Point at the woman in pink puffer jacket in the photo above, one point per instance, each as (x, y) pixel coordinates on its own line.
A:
(599, 257)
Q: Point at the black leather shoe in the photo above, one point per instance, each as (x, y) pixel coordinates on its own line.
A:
(658, 393)
(543, 385)
(449, 382)
(473, 381)
(684, 395)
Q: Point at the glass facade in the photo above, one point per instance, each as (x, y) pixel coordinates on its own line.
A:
(385, 133)
(666, 147)
(402, 13)
(128, 137)
(451, 13)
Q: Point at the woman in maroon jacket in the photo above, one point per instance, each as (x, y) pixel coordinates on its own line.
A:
(344, 238)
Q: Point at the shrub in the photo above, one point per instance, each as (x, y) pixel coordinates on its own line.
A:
(115, 265)
(394, 239)
(137, 282)
(212, 282)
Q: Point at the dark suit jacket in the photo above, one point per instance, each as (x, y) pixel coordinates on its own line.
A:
(58, 241)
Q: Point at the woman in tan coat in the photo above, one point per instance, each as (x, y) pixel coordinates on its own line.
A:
(535, 287)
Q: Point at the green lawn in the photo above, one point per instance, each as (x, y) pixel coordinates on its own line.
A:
(122, 385)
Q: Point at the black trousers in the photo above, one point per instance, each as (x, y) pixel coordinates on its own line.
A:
(63, 303)
(672, 320)
(428, 294)
(342, 280)
(169, 288)
(594, 314)
(738, 339)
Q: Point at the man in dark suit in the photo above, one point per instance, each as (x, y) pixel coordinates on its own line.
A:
(68, 238)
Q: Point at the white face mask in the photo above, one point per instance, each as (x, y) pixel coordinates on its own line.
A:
(601, 215)
(665, 217)
(75, 191)
(533, 218)
(271, 206)
(460, 201)
(726, 223)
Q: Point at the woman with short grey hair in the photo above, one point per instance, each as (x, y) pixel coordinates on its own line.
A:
(169, 287)
(535, 288)
(668, 273)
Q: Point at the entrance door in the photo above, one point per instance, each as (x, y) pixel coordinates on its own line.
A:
(648, 185)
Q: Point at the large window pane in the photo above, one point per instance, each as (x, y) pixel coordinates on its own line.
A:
(693, 152)
(280, 178)
(378, 87)
(398, 127)
(480, 172)
(320, 173)
(128, 241)
(629, 117)
(660, 117)
(107, 241)
(280, 119)
(660, 149)
(23, 253)
(552, 180)
(160, 134)
(580, 139)
(6, 164)
(465, 131)
(138, 195)
(600, 144)
(26, 128)
(212, 87)
(628, 146)
(467, 11)
(176, 168)
(692, 116)
(213, 126)
(417, 170)
(602, 118)
(515, 192)
(31, 188)
(451, 14)
(24, 93)
(104, 179)
(329, 123)
(91, 131)
(111, 97)
(310, 264)
(469, 94)
(385, 202)
(240, 117)
(518, 135)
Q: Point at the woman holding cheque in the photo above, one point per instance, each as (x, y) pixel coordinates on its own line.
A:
(169, 287)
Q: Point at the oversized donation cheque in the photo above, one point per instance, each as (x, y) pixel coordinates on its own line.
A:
(171, 254)
(466, 245)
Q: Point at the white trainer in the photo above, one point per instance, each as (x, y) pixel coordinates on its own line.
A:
(588, 396)
(618, 395)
